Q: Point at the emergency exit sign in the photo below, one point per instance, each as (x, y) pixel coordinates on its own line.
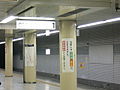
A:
(30, 24)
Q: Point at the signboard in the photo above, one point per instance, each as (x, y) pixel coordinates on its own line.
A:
(68, 58)
(43, 25)
(82, 65)
(29, 57)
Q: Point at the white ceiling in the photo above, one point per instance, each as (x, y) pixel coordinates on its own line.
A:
(104, 14)
(98, 9)
(6, 5)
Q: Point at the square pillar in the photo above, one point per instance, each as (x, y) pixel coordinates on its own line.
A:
(30, 57)
(8, 53)
(68, 70)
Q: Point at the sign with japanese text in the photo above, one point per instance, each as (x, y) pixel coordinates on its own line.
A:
(68, 57)
(41, 25)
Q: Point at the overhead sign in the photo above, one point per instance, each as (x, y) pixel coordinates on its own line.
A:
(30, 24)
(68, 58)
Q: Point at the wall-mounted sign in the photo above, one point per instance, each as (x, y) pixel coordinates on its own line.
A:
(68, 58)
(29, 55)
(82, 65)
(42, 25)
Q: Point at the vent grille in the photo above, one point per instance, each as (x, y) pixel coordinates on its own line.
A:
(73, 12)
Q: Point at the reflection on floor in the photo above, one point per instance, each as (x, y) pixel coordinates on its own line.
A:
(16, 83)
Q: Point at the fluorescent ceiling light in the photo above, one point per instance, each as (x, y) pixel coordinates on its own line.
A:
(54, 32)
(44, 34)
(36, 18)
(2, 42)
(113, 20)
(99, 22)
(17, 39)
(38, 35)
(41, 34)
(8, 19)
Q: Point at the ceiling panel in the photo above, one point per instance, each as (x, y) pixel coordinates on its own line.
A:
(100, 15)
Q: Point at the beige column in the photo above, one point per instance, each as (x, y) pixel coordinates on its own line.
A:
(8, 53)
(67, 36)
(68, 71)
(30, 57)
(30, 52)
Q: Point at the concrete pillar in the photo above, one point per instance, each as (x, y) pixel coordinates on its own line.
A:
(8, 53)
(30, 57)
(30, 52)
(68, 70)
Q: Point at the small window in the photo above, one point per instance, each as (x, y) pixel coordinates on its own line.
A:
(47, 51)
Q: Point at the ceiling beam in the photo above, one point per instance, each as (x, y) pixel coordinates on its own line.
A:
(81, 3)
(19, 8)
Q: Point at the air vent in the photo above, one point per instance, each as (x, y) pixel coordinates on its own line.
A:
(25, 10)
(73, 12)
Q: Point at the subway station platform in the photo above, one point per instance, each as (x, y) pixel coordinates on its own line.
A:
(16, 83)
(60, 44)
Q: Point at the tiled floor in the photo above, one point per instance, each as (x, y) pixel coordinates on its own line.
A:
(16, 83)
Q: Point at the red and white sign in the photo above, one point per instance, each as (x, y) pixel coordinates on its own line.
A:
(68, 55)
